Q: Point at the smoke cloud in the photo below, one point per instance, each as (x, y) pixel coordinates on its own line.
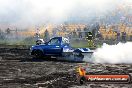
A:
(120, 53)
(22, 13)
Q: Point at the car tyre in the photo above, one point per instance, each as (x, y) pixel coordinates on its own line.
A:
(38, 54)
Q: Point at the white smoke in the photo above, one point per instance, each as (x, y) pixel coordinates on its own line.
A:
(33, 12)
(120, 53)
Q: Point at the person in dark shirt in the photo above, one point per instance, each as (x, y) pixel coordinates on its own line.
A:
(90, 39)
(124, 36)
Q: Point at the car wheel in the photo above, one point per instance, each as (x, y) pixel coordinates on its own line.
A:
(38, 54)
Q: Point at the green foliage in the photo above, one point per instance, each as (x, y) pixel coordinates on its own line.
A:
(83, 44)
(26, 41)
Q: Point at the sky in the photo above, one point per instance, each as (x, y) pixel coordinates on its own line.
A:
(24, 13)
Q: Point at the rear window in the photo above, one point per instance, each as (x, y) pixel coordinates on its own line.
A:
(54, 41)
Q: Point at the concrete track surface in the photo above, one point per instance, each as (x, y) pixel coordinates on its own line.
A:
(19, 70)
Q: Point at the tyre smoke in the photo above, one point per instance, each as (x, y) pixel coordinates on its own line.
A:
(114, 54)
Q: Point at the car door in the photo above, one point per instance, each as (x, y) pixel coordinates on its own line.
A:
(53, 47)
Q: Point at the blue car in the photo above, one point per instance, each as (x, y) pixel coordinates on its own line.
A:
(58, 47)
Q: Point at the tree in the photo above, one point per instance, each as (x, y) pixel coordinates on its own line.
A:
(0, 32)
(8, 31)
(46, 36)
(2, 36)
(86, 30)
(74, 34)
(37, 34)
(94, 29)
(79, 33)
(54, 32)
